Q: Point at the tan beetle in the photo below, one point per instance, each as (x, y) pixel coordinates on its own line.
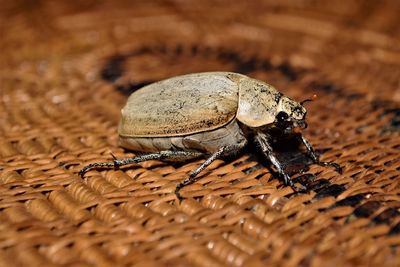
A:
(212, 114)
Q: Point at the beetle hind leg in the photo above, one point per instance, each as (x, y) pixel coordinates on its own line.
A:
(163, 156)
(315, 158)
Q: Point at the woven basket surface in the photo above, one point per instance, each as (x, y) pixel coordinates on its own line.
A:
(66, 69)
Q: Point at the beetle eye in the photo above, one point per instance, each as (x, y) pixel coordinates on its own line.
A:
(282, 116)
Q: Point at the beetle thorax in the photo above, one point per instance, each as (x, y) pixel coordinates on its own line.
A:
(259, 103)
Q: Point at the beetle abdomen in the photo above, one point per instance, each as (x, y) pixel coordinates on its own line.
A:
(181, 105)
(208, 142)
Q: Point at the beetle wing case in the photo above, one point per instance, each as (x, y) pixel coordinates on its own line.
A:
(181, 105)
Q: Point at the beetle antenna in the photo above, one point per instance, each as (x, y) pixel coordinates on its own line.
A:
(308, 99)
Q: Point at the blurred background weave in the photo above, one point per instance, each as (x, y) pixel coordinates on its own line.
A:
(66, 68)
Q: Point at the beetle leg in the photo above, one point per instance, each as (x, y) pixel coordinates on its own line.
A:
(315, 158)
(262, 140)
(222, 152)
(163, 155)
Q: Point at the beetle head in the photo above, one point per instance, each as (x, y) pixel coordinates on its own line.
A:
(290, 115)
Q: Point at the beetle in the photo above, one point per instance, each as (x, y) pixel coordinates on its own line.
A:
(208, 114)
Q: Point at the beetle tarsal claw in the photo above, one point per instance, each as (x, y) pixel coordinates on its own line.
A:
(178, 195)
(286, 178)
(93, 166)
(189, 180)
(298, 188)
(338, 168)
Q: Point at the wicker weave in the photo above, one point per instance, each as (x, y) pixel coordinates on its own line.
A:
(66, 70)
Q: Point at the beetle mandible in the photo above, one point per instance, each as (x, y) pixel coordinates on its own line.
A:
(209, 114)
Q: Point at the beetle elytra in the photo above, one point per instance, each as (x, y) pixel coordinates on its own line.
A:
(210, 114)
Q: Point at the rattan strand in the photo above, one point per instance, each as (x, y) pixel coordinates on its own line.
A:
(66, 70)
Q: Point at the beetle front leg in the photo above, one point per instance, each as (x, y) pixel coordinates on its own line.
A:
(163, 155)
(262, 140)
(222, 152)
(315, 158)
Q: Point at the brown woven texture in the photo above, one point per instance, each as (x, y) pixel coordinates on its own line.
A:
(66, 69)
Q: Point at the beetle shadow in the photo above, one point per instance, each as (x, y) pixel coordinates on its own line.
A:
(293, 159)
(291, 154)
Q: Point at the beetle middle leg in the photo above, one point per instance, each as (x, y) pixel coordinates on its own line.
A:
(162, 155)
(222, 152)
(315, 158)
